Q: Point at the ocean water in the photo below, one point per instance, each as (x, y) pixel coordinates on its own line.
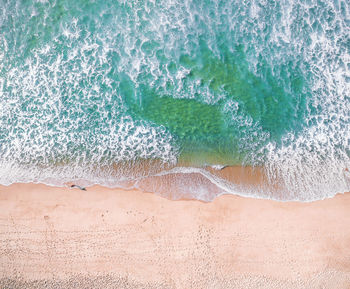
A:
(122, 92)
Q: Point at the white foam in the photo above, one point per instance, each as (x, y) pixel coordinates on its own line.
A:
(313, 163)
(309, 163)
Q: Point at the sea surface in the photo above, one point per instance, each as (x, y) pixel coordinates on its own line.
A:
(115, 92)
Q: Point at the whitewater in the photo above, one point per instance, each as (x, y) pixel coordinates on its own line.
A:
(120, 92)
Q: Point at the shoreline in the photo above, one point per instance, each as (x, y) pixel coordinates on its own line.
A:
(55, 234)
(183, 181)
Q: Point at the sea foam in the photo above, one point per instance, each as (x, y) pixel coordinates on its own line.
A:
(227, 83)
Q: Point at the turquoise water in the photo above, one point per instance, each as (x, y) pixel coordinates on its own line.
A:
(112, 92)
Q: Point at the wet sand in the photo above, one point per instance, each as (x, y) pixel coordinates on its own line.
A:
(109, 238)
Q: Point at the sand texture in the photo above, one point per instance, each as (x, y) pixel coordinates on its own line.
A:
(109, 238)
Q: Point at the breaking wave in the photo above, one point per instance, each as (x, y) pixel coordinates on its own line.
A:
(151, 95)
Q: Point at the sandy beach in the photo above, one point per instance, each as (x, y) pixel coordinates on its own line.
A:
(109, 238)
(174, 144)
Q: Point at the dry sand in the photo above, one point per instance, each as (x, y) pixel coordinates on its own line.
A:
(109, 238)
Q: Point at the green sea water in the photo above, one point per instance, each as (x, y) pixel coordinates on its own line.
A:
(87, 86)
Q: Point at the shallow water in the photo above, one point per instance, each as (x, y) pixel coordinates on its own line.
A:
(111, 92)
